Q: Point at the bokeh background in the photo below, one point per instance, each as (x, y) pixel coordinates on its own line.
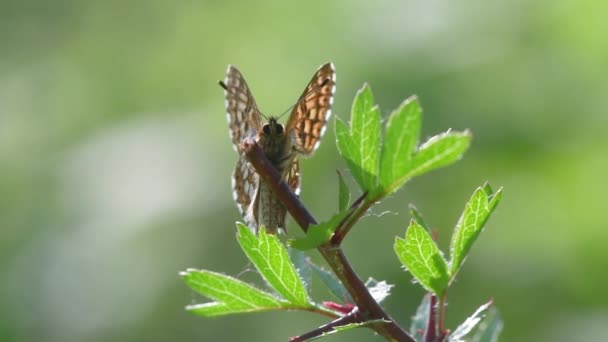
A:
(115, 157)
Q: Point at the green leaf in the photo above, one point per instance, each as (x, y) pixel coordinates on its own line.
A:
(318, 234)
(332, 283)
(484, 325)
(439, 151)
(272, 261)
(400, 139)
(360, 146)
(475, 215)
(417, 216)
(343, 193)
(347, 148)
(421, 320)
(301, 262)
(420, 255)
(365, 130)
(231, 295)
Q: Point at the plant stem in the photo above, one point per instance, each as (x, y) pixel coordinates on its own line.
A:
(442, 308)
(368, 308)
(349, 222)
(430, 335)
(346, 319)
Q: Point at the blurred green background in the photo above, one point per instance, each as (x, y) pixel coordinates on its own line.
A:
(115, 157)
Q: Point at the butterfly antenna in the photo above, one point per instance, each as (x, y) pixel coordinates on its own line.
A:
(303, 98)
(225, 87)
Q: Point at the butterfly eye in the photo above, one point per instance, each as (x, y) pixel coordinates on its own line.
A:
(279, 129)
(266, 129)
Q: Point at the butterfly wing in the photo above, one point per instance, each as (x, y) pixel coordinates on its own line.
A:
(293, 177)
(243, 116)
(244, 120)
(244, 185)
(309, 117)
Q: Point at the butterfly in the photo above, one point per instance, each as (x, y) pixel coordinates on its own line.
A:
(301, 135)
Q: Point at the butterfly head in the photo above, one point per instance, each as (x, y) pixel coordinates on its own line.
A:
(273, 129)
(274, 141)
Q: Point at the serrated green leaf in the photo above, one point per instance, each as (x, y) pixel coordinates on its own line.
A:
(270, 258)
(420, 321)
(349, 150)
(400, 139)
(420, 255)
(483, 326)
(343, 193)
(301, 262)
(231, 295)
(439, 151)
(318, 234)
(365, 132)
(475, 215)
(360, 145)
(344, 142)
(332, 283)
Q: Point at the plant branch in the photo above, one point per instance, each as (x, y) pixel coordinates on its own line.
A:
(430, 335)
(442, 308)
(364, 203)
(368, 308)
(352, 317)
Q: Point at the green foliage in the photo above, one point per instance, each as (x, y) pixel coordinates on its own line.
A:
(318, 234)
(382, 167)
(343, 194)
(439, 151)
(230, 295)
(400, 140)
(476, 213)
(302, 264)
(360, 145)
(270, 258)
(420, 255)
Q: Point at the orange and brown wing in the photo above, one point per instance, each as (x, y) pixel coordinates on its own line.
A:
(293, 177)
(309, 117)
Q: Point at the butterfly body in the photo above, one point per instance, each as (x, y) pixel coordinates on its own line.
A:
(276, 144)
(277, 147)
(281, 144)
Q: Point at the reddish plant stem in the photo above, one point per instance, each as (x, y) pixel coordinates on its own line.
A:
(344, 320)
(442, 308)
(368, 308)
(430, 335)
